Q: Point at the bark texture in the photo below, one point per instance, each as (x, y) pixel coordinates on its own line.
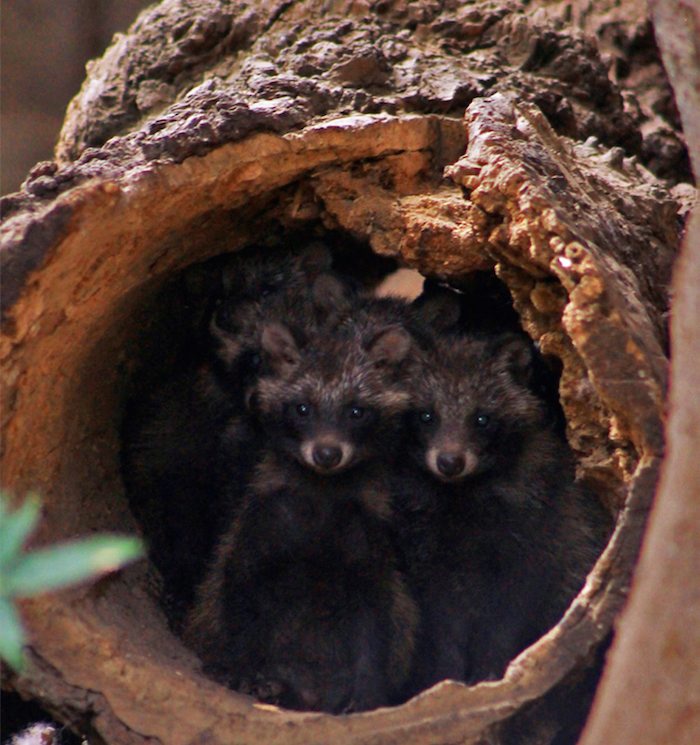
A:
(211, 122)
(654, 696)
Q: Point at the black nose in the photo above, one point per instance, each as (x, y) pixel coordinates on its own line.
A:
(327, 456)
(450, 464)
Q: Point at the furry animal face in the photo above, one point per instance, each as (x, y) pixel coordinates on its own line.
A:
(272, 284)
(333, 402)
(471, 407)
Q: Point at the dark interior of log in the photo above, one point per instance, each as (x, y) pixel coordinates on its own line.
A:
(170, 330)
(132, 332)
(269, 130)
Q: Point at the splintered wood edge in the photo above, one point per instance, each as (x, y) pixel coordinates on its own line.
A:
(114, 223)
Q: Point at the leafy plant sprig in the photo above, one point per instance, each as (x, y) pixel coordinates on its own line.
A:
(27, 573)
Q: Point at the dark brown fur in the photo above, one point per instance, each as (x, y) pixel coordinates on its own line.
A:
(482, 308)
(188, 444)
(305, 605)
(497, 536)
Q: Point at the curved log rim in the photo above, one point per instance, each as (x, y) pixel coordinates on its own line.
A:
(81, 267)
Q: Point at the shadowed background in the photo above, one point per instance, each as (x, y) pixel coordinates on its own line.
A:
(44, 46)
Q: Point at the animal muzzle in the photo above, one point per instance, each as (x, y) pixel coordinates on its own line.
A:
(451, 465)
(326, 456)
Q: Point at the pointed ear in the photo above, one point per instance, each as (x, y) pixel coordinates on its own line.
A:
(439, 307)
(228, 346)
(331, 295)
(515, 354)
(280, 349)
(390, 346)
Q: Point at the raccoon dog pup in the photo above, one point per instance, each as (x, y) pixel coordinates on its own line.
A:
(497, 536)
(188, 439)
(304, 604)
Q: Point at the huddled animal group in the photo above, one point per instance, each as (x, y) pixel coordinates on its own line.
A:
(352, 498)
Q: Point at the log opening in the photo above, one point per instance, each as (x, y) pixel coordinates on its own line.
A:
(582, 236)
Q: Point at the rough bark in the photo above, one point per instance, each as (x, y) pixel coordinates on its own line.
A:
(651, 691)
(251, 117)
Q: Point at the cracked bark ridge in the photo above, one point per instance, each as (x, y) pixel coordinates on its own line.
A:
(625, 37)
(582, 236)
(662, 617)
(606, 231)
(233, 68)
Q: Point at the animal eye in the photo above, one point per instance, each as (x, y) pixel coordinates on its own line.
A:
(303, 409)
(266, 290)
(482, 420)
(356, 412)
(426, 417)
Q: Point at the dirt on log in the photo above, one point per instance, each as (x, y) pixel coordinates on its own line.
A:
(450, 138)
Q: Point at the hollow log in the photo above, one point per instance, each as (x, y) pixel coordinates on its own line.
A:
(662, 618)
(450, 138)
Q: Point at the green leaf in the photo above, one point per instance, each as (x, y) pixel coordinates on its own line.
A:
(70, 563)
(16, 527)
(11, 635)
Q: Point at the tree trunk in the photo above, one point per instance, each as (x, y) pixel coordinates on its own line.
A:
(451, 138)
(651, 689)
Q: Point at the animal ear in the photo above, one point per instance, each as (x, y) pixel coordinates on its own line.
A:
(280, 349)
(315, 259)
(228, 347)
(437, 306)
(390, 346)
(331, 295)
(515, 353)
